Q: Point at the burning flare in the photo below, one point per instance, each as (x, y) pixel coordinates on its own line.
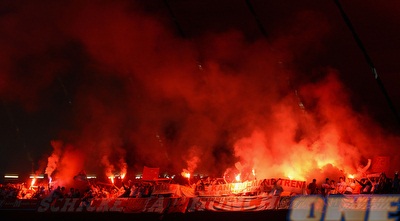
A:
(112, 179)
(33, 182)
(237, 178)
(53, 160)
(185, 173)
(123, 167)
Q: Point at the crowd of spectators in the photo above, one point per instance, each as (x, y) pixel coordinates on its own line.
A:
(139, 189)
(92, 190)
(366, 185)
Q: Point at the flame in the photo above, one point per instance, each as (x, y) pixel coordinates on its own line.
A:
(237, 177)
(50, 179)
(112, 179)
(123, 176)
(351, 176)
(33, 181)
(186, 174)
(254, 172)
(307, 159)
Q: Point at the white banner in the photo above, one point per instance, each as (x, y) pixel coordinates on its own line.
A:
(256, 203)
(254, 186)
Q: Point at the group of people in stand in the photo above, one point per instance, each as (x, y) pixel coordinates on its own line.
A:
(366, 185)
(93, 190)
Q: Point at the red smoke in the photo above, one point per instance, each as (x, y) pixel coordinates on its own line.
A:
(143, 96)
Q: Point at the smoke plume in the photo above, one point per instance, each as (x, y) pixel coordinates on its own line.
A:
(130, 93)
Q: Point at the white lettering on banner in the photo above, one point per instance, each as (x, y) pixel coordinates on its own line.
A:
(55, 206)
(70, 205)
(157, 206)
(106, 205)
(117, 206)
(103, 205)
(292, 186)
(233, 203)
(92, 206)
(81, 206)
(44, 205)
(160, 205)
(351, 208)
(307, 208)
(77, 205)
(19, 204)
(382, 206)
(345, 207)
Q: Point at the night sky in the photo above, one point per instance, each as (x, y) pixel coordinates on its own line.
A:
(186, 84)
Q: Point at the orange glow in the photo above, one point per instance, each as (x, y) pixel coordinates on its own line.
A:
(351, 176)
(324, 150)
(237, 177)
(33, 182)
(295, 172)
(123, 168)
(112, 179)
(186, 174)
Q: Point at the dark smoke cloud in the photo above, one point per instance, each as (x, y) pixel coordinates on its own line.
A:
(139, 95)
